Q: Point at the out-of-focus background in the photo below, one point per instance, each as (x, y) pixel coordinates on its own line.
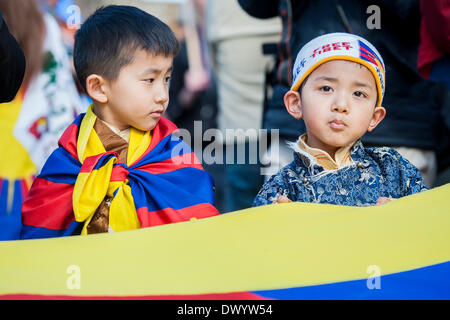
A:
(167, 11)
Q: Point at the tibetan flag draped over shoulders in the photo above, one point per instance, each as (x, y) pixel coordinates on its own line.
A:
(162, 182)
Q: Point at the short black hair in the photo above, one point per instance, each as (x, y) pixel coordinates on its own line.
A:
(108, 39)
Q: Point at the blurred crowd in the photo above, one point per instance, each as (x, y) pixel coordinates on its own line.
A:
(233, 69)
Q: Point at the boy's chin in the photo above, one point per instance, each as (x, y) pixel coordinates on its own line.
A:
(146, 128)
(340, 143)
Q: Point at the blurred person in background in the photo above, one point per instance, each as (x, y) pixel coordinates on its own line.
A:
(236, 42)
(69, 18)
(434, 50)
(434, 64)
(12, 64)
(412, 103)
(46, 103)
(192, 85)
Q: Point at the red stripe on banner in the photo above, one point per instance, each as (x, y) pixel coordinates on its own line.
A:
(170, 215)
(188, 160)
(212, 296)
(90, 162)
(68, 140)
(369, 53)
(163, 128)
(119, 173)
(24, 188)
(50, 207)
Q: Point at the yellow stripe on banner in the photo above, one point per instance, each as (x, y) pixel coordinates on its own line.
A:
(124, 217)
(16, 162)
(29, 182)
(139, 143)
(91, 188)
(270, 247)
(10, 199)
(87, 194)
(88, 142)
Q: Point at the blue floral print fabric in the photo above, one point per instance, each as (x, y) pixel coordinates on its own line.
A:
(375, 172)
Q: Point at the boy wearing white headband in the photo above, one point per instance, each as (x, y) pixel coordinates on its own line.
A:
(338, 86)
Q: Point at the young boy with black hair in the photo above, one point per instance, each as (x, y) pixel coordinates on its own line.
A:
(118, 167)
(338, 88)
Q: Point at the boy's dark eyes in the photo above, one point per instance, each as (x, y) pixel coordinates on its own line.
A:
(359, 94)
(166, 79)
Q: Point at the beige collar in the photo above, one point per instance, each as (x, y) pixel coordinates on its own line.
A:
(342, 156)
(124, 134)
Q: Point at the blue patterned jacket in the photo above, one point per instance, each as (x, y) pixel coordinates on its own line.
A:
(375, 172)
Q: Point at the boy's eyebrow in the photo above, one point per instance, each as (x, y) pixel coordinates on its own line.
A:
(152, 70)
(331, 79)
(362, 84)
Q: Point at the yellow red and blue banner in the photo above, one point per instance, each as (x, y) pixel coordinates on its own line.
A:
(17, 171)
(400, 250)
(155, 186)
(31, 125)
(12, 193)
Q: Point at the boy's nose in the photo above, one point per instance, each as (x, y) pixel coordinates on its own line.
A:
(340, 104)
(162, 96)
(342, 108)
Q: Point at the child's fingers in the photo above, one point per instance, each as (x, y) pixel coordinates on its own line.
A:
(283, 199)
(382, 200)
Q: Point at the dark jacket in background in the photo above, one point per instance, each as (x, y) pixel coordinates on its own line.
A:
(12, 64)
(412, 103)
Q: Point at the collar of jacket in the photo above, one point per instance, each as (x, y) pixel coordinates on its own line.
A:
(304, 159)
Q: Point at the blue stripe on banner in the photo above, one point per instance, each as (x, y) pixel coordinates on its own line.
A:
(10, 222)
(30, 232)
(14, 219)
(78, 120)
(430, 282)
(10, 227)
(60, 167)
(169, 147)
(172, 186)
(4, 197)
(102, 161)
(18, 198)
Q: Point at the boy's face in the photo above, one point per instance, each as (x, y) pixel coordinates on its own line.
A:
(337, 103)
(139, 96)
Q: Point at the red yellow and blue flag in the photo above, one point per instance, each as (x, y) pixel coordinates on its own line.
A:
(366, 53)
(162, 182)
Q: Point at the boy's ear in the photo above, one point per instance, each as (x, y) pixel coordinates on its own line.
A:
(95, 87)
(378, 114)
(292, 102)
